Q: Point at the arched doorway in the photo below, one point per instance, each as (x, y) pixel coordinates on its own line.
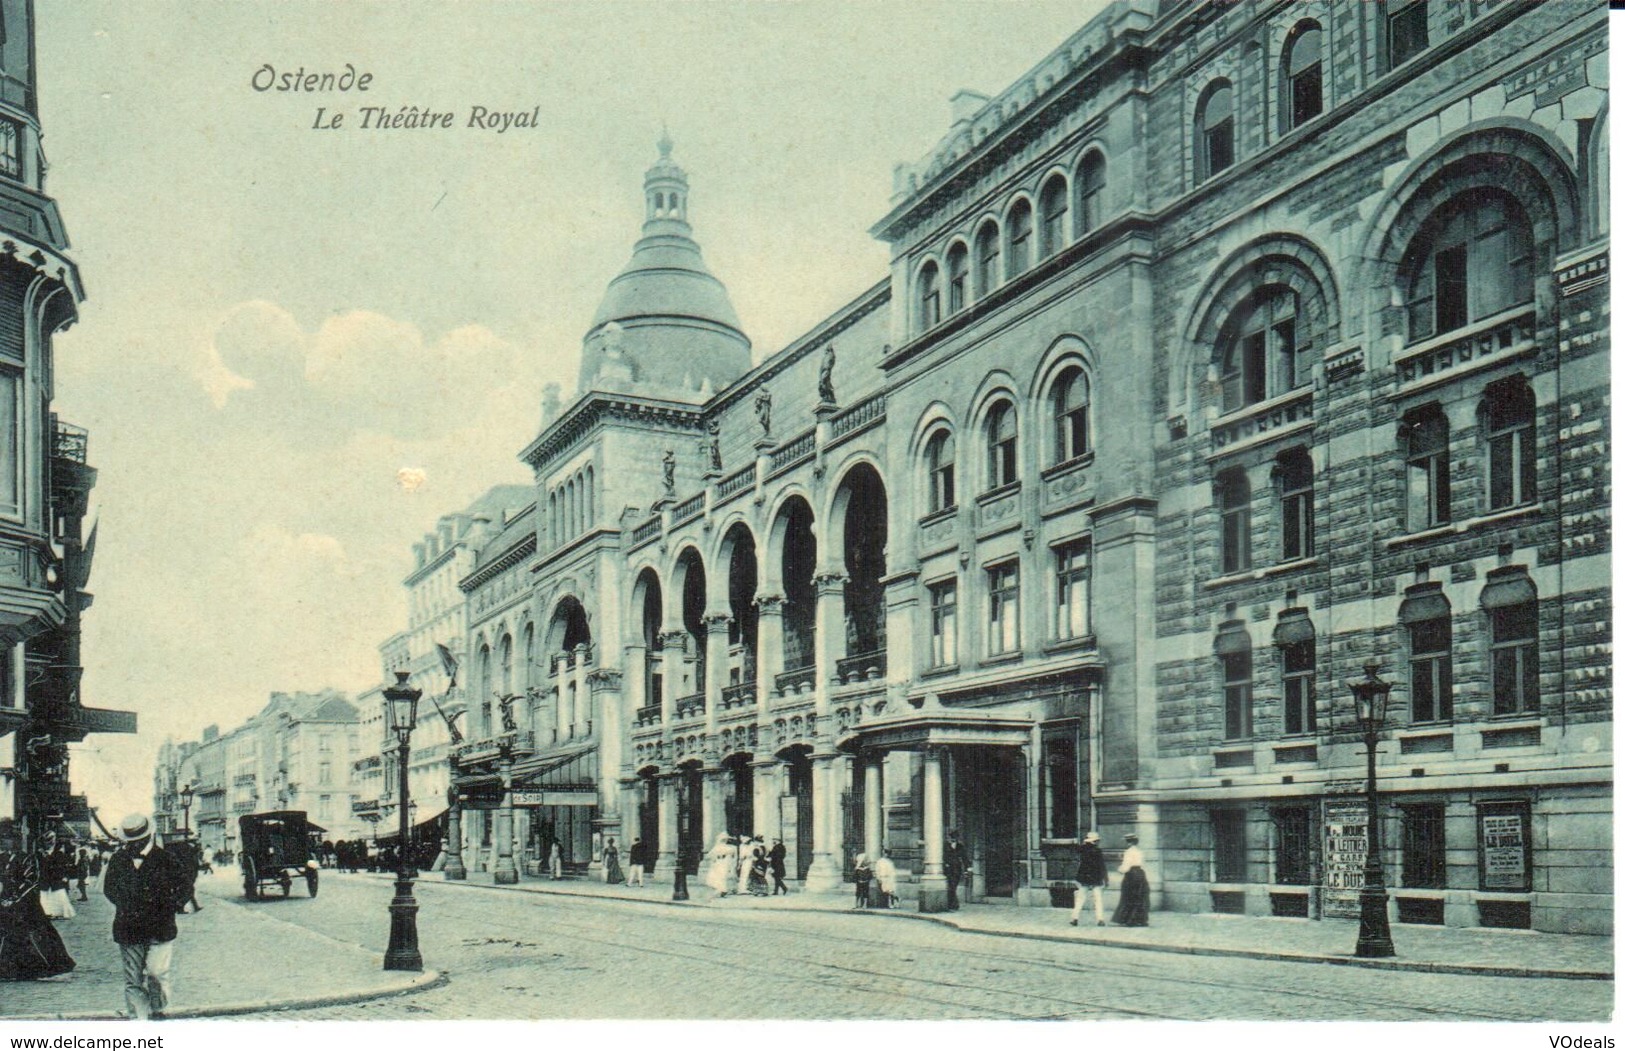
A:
(739, 804)
(798, 556)
(739, 554)
(647, 601)
(567, 632)
(860, 506)
(691, 577)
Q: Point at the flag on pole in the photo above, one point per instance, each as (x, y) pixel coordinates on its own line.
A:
(448, 661)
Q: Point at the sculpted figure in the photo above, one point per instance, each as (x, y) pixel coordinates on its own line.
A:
(668, 466)
(764, 412)
(826, 376)
(714, 430)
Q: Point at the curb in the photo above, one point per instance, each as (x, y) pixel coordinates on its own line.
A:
(1421, 966)
(417, 983)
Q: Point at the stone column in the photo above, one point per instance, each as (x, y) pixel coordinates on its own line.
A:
(825, 872)
(873, 814)
(675, 645)
(763, 785)
(716, 665)
(713, 795)
(583, 713)
(769, 645)
(667, 860)
(559, 676)
(503, 836)
(933, 884)
(605, 684)
(829, 629)
(455, 869)
(636, 681)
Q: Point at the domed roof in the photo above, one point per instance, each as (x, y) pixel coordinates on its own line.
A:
(665, 325)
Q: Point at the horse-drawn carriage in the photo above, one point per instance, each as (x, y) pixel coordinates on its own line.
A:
(275, 849)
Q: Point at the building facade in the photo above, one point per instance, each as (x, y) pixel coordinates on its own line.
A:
(1231, 349)
(45, 477)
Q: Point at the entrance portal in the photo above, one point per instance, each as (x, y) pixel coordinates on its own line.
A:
(990, 787)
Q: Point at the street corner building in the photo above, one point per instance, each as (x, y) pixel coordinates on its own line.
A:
(45, 480)
(1232, 348)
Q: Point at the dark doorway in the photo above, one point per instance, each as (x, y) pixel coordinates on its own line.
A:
(802, 792)
(649, 816)
(989, 784)
(690, 818)
(740, 805)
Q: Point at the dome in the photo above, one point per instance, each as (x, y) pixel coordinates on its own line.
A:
(665, 326)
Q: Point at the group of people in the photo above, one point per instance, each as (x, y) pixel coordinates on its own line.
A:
(1134, 901)
(742, 865)
(875, 881)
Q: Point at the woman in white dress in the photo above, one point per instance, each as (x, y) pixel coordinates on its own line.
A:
(720, 875)
(886, 876)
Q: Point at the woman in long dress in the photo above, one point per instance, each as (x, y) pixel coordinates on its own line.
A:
(886, 881)
(757, 883)
(612, 864)
(29, 946)
(1134, 904)
(719, 876)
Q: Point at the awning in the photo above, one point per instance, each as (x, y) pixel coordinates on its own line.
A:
(1232, 638)
(576, 770)
(1424, 601)
(434, 821)
(1507, 586)
(1294, 627)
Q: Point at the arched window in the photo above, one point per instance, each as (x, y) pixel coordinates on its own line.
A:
(1070, 401)
(987, 259)
(1001, 445)
(1301, 82)
(1091, 191)
(1021, 238)
(1295, 474)
(505, 683)
(1053, 204)
(958, 277)
(930, 297)
(1426, 434)
(1472, 259)
(1235, 500)
(1509, 430)
(1261, 354)
(939, 460)
(1215, 130)
(587, 490)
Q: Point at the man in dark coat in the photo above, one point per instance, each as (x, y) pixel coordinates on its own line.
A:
(147, 886)
(954, 867)
(775, 862)
(1091, 877)
(637, 856)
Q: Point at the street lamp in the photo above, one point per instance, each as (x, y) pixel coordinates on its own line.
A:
(1370, 710)
(401, 711)
(186, 811)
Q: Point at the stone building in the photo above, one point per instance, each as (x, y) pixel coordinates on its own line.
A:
(1231, 349)
(45, 476)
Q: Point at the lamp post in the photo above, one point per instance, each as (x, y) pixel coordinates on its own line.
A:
(186, 811)
(1370, 709)
(401, 711)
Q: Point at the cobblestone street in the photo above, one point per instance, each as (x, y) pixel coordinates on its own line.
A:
(525, 956)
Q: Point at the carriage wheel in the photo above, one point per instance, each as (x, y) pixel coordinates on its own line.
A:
(251, 880)
(286, 884)
(310, 881)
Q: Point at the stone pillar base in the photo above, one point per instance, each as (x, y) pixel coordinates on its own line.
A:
(455, 869)
(822, 876)
(933, 894)
(505, 873)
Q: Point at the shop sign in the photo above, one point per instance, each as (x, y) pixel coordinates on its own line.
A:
(1344, 859)
(1504, 841)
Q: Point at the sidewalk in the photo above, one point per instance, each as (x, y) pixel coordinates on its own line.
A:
(231, 959)
(1446, 950)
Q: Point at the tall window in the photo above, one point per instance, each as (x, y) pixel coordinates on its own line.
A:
(1422, 845)
(1052, 202)
(1475, 258)
(1261, 354)
(1238, 694)
(930, 297)
(324, 772)
(1431, 681)
(939, 459)
(1003, 608)
(1059, 814)
(1001, 445)
(1294, 845)
(1071, 405)
(1302, 81)
(1509, 419)
(1216, 130)
(1407, 29)
(944, 624)
(1235, 521)
(1229, 846)
(1514, 663)
(987, 259)
(958, 278)
(1072, 590)
(10, 148)
(1427, 469)
(1295, 473)
(1021, 237)
(1298, 687)
(11, 442)
(1091, 191)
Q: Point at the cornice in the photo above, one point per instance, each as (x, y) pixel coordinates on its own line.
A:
(430, 566)
(596, 407)
(510, 558)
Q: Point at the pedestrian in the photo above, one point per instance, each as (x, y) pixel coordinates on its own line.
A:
(885, 886)
(954, 867)
(55, 869)
(1091, 878)
(146, 885)
(81, 872)
(188, 854)
(1134, 904)
(742, 865)
(612, 863)
(635, 863)
(719, 876)
(862, 875)
(555, 860)
(775, 862)
(30, 948)
(757, 884)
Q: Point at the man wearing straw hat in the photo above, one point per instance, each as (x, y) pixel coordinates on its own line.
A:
(147, 886)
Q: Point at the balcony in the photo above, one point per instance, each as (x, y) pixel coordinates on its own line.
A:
(690, 707)
(1267, 419)
(739, 695)
(648, 715)
(858, 417)
(363, 807)
(793, 452)
(688, 509)
(69, 442)
(1495, 339)
(737, 482)
(861, 668)
(800, 680)
(516, 744)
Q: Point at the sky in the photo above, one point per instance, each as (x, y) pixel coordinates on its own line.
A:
(282, 318)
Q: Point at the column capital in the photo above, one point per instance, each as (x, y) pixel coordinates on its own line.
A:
(676, 637)
(829, 583)
(601, 679)
(717, 621)
(770, 605)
